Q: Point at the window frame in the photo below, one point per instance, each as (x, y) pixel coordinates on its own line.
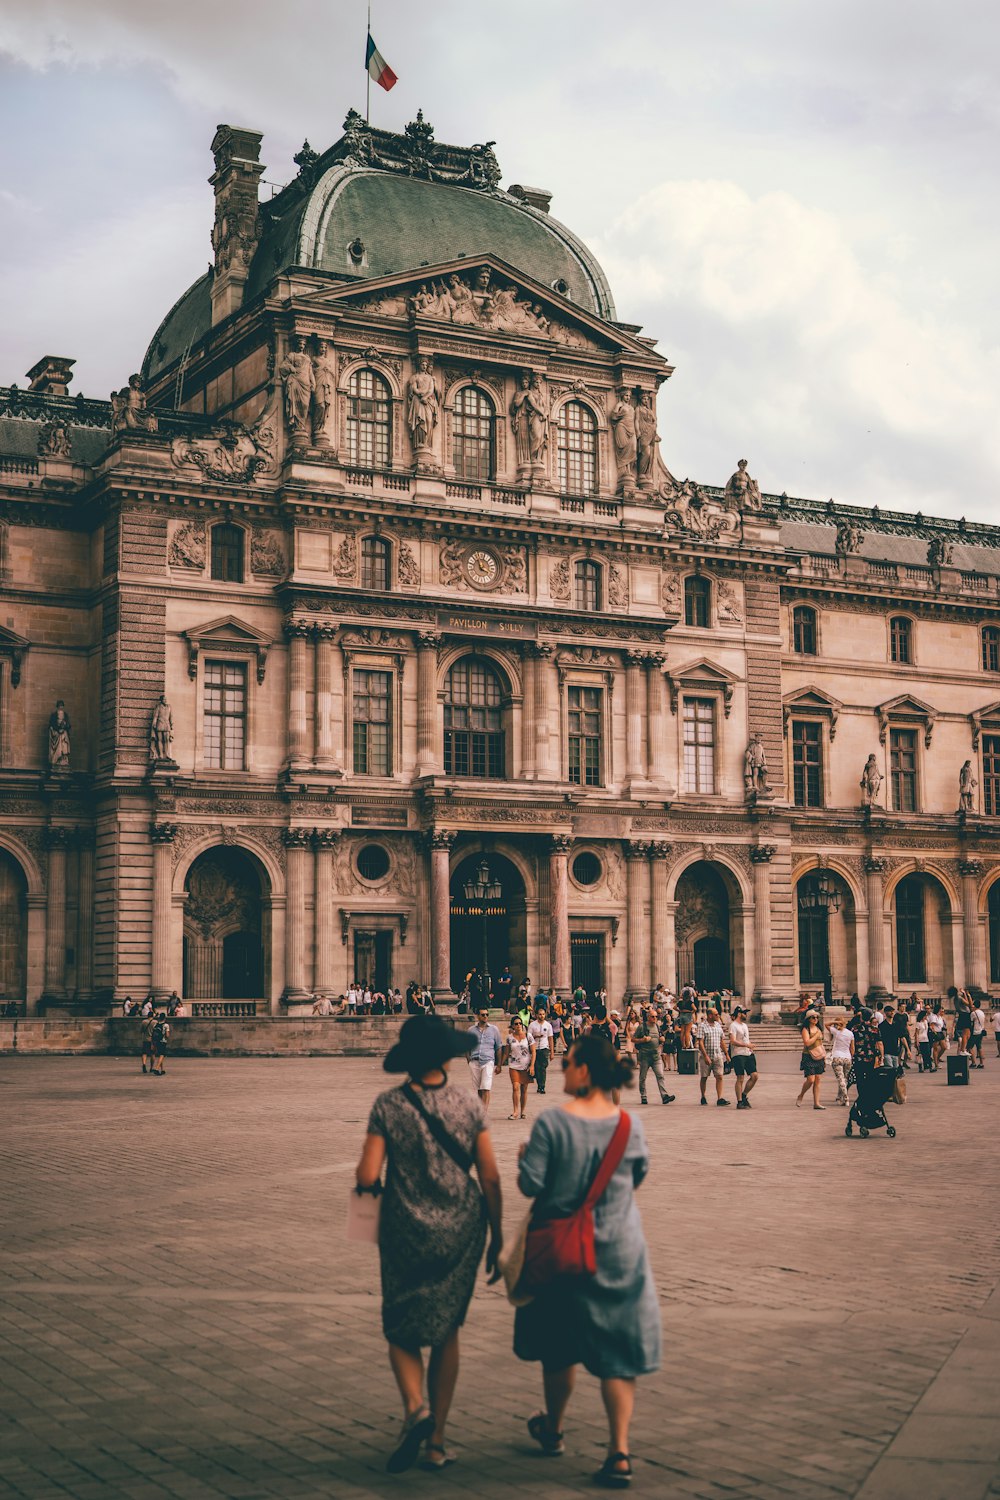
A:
(912, 775)
(989, 649)
(583, 740)
(698, 598)
(713, 719)
(488, 745)
(368, 670)
(369, 545)
(797, 647)
(574, 457)
(237, 533)
(989, 774)
(459, 438)
(226, 663)
(595, 575)
(800, 768)
(904, 973)
(368, 454)
(897, 635)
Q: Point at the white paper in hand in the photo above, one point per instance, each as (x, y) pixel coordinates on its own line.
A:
(363, 1212)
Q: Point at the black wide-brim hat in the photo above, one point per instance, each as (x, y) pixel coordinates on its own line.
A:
(426, 1042)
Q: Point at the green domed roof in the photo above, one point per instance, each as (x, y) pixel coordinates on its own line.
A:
(377, 204)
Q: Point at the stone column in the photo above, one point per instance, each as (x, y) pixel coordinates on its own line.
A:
(559, 898)
(324, 843)
(975, 971)
(427, 702)
(760, 858)
(878, 971)
(86, 840)
(637, 878)
(635, 759)
(656, 717)
(545, 696)
(325, 754)
(162, 836)
(298, 636)
(297, 844)
(439, 842)
(528, 731)
(660, 919)
(56, 841)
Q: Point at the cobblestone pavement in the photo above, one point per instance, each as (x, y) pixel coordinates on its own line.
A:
(182, 1316)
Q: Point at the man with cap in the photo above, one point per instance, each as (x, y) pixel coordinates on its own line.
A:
(484, 1059)
(710, 1040)
(743, 1058)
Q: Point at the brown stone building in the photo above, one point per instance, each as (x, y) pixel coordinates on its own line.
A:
(385, 524)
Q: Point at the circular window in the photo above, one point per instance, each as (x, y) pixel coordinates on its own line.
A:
(586, 868)
(373, 862)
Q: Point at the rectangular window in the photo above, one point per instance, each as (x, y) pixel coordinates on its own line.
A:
(585, 736)
(903, 769)
(807, 763)
(372, 723)
(699, 745)
(225, 715)
(991, 775)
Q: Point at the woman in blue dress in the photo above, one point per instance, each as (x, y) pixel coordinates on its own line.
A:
(609, 1322)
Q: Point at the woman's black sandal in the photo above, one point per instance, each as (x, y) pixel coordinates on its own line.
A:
(611, 1477)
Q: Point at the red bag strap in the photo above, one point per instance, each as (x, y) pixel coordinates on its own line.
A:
(612, 1156)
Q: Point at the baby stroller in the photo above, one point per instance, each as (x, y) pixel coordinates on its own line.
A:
(868, 1109)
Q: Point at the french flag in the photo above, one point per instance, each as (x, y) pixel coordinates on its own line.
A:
(377, 66)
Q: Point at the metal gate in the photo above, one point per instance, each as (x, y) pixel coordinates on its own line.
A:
(586, 953)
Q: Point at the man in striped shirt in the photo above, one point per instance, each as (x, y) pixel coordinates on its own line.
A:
(710, 1039)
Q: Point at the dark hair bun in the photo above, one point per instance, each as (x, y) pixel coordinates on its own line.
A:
(608, 1069)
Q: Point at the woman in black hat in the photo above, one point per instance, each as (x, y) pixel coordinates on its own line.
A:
(433, 1223)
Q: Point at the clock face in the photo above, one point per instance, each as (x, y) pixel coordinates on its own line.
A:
(482, 568)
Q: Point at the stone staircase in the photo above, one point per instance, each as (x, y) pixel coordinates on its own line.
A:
(774, 1036)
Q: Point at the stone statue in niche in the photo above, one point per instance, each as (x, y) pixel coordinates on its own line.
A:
(529, 420)
(939, 552)
(60, 730)
(728, 604)
(755, 767)
(324, 393)
(849, 537)
(742, 492)
(408, 567)
(128, 409)
(161, 731)
(967, 784)
(646, 439)
(871, 782)
(266, 557)
(559, 581)
(622, 419)
(670, 592)
(296, 374)
(187, 546)
(422, 405)
(53, 439)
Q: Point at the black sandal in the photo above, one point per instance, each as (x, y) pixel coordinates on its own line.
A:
(611, 1477)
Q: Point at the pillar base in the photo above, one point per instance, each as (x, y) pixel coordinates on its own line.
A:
(296, 997)
(769, 1010)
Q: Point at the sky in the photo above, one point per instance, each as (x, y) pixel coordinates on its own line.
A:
(797, 198)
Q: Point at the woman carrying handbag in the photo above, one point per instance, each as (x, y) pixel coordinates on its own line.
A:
(589, 1154)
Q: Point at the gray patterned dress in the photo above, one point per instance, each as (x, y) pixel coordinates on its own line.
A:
(433, 1224)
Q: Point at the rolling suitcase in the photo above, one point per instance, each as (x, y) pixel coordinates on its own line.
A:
(687, 1060)
(958, 1070)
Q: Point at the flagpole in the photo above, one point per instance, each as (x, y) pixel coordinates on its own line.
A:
(368, 86)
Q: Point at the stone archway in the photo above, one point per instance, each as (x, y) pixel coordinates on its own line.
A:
(826, 935)
(505, 920)
(923, 955)
(705, 942)
(227, 938)
(13, 932)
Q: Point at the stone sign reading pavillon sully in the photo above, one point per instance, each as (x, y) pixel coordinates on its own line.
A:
(376, 570)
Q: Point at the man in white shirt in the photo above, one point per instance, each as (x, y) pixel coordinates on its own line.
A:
(742, 1056)
(978, 1034)
(840, 1058)
(540, 1037)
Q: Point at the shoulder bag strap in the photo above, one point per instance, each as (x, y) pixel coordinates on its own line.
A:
(458, 1154)
(612, 1157)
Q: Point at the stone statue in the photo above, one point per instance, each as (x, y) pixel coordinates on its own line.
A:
(967, 784)
(59, 732)
(422, 404)
(324, 393)
(646, 438)
(755, 766)
(849, 537)
(622, 419)
(529, 420)
(53, 439)
(871, 782)
(939, 552)
(742, 492)
(128, 409)
(161, 731)
(296, 373)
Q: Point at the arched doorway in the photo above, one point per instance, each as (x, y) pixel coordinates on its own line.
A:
(922, 953)
(825, 933)
(13, 931)
(499, 922)
(226, 934)
(702, 929)
(993, 917)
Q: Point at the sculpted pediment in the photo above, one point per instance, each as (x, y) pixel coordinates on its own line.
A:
(13, 647)
(906, 709)
(702, 676)
(812, 700)
(979, 716)
(485, 296)
(228, 635)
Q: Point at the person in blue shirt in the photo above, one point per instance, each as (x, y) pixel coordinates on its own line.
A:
(484, 1059)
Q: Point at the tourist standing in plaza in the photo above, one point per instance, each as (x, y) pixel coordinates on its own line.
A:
(520, 1058)
(429, 1134)
(842, 1039)
(159, 1038)
(978, 1034)
(922, 1035)
(648, 1044)
(742, 1056)
(608, 1322)
(867, 1048)
(938, 1033)
(713, 1054)
(484, 1057)
(813, 1060)
(148, 1022)
(996, 1026)
(541, 1038)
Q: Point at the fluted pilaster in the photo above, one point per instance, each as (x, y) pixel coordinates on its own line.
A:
(57, 842)
(878, 972)
(637, 896)
(297, 844)
(559, 898)
(162, 836)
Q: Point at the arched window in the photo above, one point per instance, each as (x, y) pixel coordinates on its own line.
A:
(227, 553)
(587, 585)
(910, 963)
(697, 601)
(993, 909)
(375, 556)
(473, 721)
(991, 648)
(577, 450)
(804, 630)
(900, 639)
(472, 434)
(368, 421)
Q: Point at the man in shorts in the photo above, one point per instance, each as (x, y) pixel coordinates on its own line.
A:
(148, 1022)
(710, 1039)
(159, 1038)
(484, 1059)
(743, 1058)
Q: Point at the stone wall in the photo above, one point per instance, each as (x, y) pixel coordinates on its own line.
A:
(264, 1037)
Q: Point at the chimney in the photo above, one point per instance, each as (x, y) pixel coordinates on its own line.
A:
(539, 198)
(237, 222)
(51, 376)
